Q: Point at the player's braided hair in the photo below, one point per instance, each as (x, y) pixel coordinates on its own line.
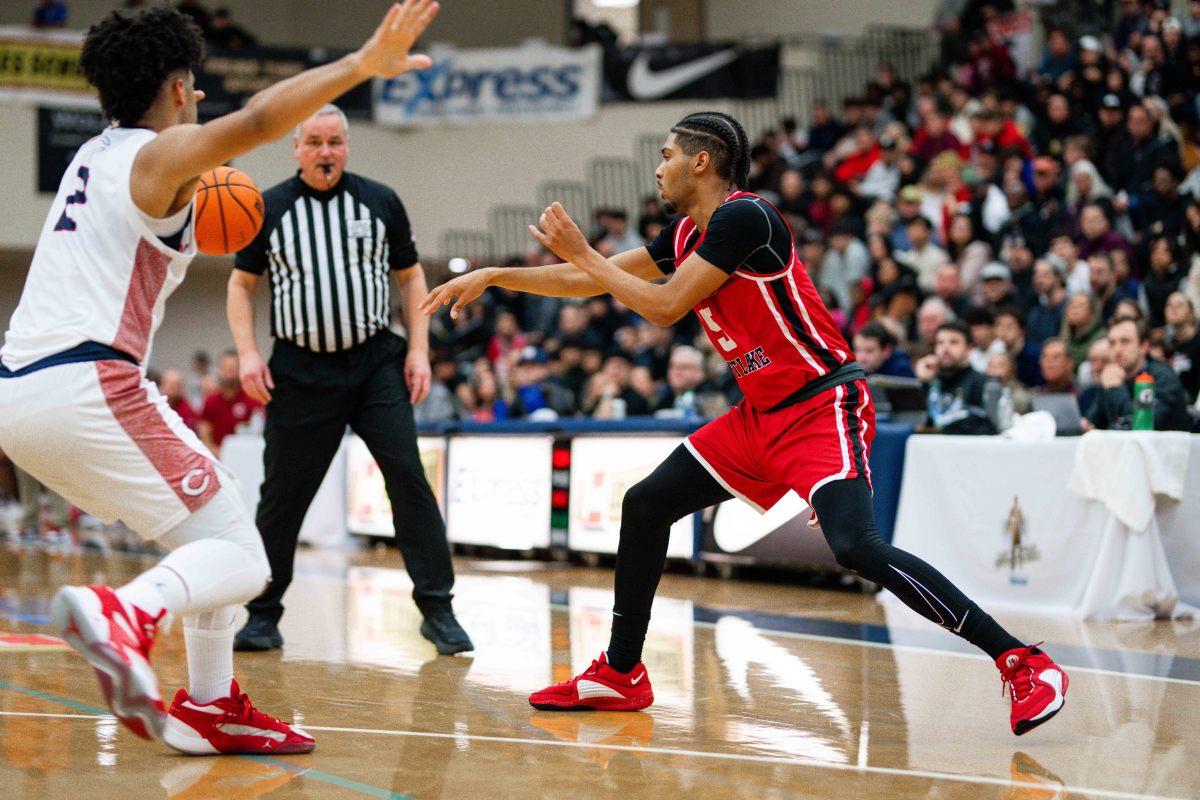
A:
(724, 139)
(128, 56)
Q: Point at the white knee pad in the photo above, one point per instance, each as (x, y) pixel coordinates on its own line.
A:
(219, 554)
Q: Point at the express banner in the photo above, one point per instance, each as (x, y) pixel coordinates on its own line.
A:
(524, 84)
(693, 71)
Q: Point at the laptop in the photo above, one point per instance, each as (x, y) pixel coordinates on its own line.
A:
(1064, 407)
(902, 399)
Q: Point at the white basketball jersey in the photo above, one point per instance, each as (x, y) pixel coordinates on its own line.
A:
(100, 271)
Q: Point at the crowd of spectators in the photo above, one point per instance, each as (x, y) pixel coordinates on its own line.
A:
(1029, 210)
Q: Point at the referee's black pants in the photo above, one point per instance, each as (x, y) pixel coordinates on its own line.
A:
(316, 396)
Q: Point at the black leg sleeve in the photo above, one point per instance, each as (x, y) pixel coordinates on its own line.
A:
(384, 419)
(294, 464)
(679, 486)
(848, 521)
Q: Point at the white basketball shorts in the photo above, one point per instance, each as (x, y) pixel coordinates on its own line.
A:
(101, 435)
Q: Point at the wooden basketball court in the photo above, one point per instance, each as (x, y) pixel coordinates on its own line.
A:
(762, 691)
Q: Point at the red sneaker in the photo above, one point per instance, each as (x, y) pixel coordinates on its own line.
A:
(598, 688)
(230, 725)
(1038, 686)
(116, 638)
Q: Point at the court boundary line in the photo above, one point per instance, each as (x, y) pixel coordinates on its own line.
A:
(662, 751)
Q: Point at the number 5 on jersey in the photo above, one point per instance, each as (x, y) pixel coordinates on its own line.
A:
(65, 223)
(726, 343)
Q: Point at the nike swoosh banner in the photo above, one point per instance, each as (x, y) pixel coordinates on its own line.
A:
(692, 71)
(519, 84)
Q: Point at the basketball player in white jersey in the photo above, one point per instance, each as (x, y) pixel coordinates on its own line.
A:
(76, 410)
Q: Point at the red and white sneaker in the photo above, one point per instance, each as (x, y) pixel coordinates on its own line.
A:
(116, 637)
(1038, 686)
(230, 725)
(598, 688)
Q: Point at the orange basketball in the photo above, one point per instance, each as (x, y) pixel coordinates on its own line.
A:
(229, 211)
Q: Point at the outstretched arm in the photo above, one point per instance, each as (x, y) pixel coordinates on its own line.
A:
(661, 304)
(555, 280)
(182, 152)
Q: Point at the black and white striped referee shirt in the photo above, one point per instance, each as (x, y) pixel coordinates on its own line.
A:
(328, 254)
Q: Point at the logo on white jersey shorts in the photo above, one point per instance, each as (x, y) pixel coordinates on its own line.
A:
(186, 486)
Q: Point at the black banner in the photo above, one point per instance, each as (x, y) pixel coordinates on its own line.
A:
(60, 133)
(229, 79)
(675, 72)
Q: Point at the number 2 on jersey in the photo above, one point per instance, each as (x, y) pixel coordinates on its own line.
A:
(65, 223)
(726, 343)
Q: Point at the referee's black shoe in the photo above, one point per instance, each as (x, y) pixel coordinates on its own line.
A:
(259, 633)
(441, 628)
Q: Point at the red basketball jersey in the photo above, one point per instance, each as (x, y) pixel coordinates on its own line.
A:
(772, 328)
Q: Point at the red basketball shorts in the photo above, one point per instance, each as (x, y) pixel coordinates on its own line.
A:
(759, 455)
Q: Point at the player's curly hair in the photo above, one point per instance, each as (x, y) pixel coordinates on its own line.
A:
(724, 139)
(128, 56)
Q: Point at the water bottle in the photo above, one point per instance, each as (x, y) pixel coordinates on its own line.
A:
(934, 401)
(991, 400)
(1143, 402)
(686, 403)
(1004, 410)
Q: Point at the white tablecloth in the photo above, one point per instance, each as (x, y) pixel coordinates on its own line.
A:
(1074, 557)
(325, 523)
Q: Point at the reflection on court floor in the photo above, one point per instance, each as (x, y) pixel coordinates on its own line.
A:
(761, 691)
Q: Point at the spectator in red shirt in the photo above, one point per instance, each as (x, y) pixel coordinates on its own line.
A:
(995, 128)
(866, 152)
(228, 407)
(174, 388)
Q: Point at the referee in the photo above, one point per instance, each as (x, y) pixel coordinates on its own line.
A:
(329, 240)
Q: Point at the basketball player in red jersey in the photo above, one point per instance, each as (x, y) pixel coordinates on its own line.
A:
(806, 423)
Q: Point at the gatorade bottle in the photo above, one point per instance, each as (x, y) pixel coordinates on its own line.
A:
(1143, 402)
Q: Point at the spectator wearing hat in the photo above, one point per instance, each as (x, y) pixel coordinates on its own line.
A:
(908, 208)
(532, 388)
(1110, 135)
(1057, 369)
(1050, 282)
(923, 256)
(876, 351)
(882, 179)
(996, 286)
(1090, 71)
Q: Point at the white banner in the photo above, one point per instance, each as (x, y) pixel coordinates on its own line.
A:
(498, 491)
(368, 508)
(523, 84)
(602, 470)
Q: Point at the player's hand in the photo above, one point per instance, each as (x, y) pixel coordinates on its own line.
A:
(560, 233)
(465, 287)
(417, 375)
(385, 54)
(1113, 376)
(256, 377)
